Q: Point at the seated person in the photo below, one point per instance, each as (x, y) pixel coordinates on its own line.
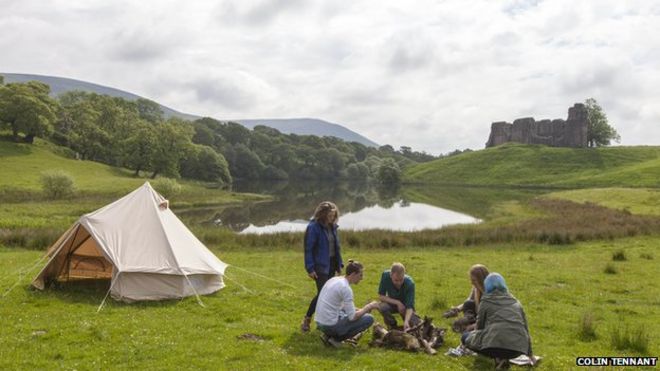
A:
(397, 295)
(477, 274)
(336, 315)
(502, 332)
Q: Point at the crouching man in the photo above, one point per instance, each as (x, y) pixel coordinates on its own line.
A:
(336, 315)
(397, 295)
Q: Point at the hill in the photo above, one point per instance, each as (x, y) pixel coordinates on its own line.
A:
(300, 126)
(308, 126)
(542, 166)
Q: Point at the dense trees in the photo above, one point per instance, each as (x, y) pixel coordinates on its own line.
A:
(599, 131)
(28, 109)
(137, 135)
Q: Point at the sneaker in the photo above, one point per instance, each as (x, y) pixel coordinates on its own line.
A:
(330, 342)
(305, 325)
(453, 312)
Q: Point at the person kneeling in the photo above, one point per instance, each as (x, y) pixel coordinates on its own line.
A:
(397, 295)
(336, 315)
(502, 332)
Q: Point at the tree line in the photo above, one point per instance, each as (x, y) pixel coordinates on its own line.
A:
(137, 136)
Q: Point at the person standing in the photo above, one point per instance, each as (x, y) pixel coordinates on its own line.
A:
(336, 315)
(397, 295)
(322, 252)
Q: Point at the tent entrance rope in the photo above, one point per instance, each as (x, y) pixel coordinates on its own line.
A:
(262, 276)
(22, 269)
(238, 283)
(23, 274)
(199, 300)
(112, 283)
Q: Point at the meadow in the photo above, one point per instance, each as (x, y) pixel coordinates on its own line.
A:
(558, 286)
(583, 262)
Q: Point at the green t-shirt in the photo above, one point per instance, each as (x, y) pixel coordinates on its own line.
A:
(406, 294)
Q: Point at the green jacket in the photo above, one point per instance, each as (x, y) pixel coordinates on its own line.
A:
(501, 323)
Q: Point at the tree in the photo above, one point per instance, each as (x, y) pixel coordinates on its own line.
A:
(388, 172)
(149, 110)
(139, 148)
(174, 137)
(599, 131)
(247, 164)
(357, 171)
(27, 108)
(203, 163)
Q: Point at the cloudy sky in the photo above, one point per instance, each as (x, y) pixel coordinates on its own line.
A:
(428, 74)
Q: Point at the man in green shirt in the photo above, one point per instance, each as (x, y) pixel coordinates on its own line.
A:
(397, 295)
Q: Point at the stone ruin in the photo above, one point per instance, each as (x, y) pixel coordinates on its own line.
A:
(556, 133)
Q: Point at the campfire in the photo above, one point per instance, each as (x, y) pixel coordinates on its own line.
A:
(423, 336)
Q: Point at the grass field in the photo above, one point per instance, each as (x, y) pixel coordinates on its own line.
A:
(541, 166)
(60, 328)
(584, 263)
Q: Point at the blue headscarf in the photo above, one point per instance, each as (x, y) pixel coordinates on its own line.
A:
(495, 281)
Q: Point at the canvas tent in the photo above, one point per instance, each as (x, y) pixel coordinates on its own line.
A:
(141, 246)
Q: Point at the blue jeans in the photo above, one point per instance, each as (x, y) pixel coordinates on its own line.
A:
(345, 329)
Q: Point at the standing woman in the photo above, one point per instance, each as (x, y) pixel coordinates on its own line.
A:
(322, 252)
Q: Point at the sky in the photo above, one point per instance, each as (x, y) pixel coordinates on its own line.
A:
(431, 75)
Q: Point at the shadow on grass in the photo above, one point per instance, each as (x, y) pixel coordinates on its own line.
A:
(92, 292)
(310, 345)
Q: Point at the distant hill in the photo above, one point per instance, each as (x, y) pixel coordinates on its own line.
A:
(302, 126)
(307, 126)
(542, 166)
(59, 85)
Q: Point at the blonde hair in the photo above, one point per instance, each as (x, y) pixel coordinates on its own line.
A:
(479, 272)
(322, 211)
(398, 268)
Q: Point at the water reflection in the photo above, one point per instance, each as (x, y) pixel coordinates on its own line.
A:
(401, 216)
(362, 207)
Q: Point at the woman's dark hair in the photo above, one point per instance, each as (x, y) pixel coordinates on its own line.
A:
(353, 266)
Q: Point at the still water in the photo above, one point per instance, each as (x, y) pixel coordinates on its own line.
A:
(400, 216)
(362, 207)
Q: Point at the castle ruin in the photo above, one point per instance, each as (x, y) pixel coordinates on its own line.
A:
(555, 133)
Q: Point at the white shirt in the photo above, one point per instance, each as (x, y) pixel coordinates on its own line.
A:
(335, 301)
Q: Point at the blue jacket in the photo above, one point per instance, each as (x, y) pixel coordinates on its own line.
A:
(317, 249)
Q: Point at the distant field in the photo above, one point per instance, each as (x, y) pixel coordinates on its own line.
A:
(635, 200)
(60, 328)
(541, 166)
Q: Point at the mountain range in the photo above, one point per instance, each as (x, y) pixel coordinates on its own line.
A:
(300, 126)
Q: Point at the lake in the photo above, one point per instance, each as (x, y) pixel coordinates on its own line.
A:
(362, 206)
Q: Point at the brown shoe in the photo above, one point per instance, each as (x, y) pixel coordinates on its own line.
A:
(305, 325)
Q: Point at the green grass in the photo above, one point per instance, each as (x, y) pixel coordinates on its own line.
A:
(642, 201)
(542, 166)
(59, 328)
(23, 164)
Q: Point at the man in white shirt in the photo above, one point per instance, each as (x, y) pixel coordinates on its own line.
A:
(336, 315)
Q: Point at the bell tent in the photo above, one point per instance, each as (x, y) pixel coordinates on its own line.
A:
(141, 246)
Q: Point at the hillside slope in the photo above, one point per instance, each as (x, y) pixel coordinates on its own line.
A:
(528, 165)
(22, 165)
(306, 126)
(300, 126)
